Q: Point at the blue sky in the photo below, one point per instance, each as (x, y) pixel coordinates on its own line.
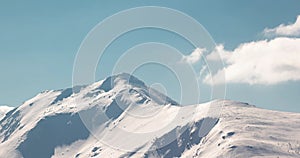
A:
(39, 41)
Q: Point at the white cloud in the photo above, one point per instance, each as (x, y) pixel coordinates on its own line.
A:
(195, 56)
(285, 30)
(260, 62)
(219, 53)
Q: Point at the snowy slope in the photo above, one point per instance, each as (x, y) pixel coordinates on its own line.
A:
(4, 109)
(246, 131)
(121, 117)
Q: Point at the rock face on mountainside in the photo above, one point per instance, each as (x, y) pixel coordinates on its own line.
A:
(121, 117)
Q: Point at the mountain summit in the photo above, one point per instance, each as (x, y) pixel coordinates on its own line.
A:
(121, 116)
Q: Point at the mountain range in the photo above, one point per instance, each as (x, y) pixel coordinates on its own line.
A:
(121, 116)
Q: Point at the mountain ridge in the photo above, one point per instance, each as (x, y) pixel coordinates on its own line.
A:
(121, 117)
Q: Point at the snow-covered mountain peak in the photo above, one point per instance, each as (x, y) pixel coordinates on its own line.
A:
(121, 80)
(102, 104)
(126, 84)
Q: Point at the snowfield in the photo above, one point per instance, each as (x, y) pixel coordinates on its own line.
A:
(4, 109)
(121, 117)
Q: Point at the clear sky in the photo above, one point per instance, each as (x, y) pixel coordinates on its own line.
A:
(39, 41)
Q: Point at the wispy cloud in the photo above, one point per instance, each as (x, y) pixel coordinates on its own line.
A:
(194, 57)
(285, 30)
